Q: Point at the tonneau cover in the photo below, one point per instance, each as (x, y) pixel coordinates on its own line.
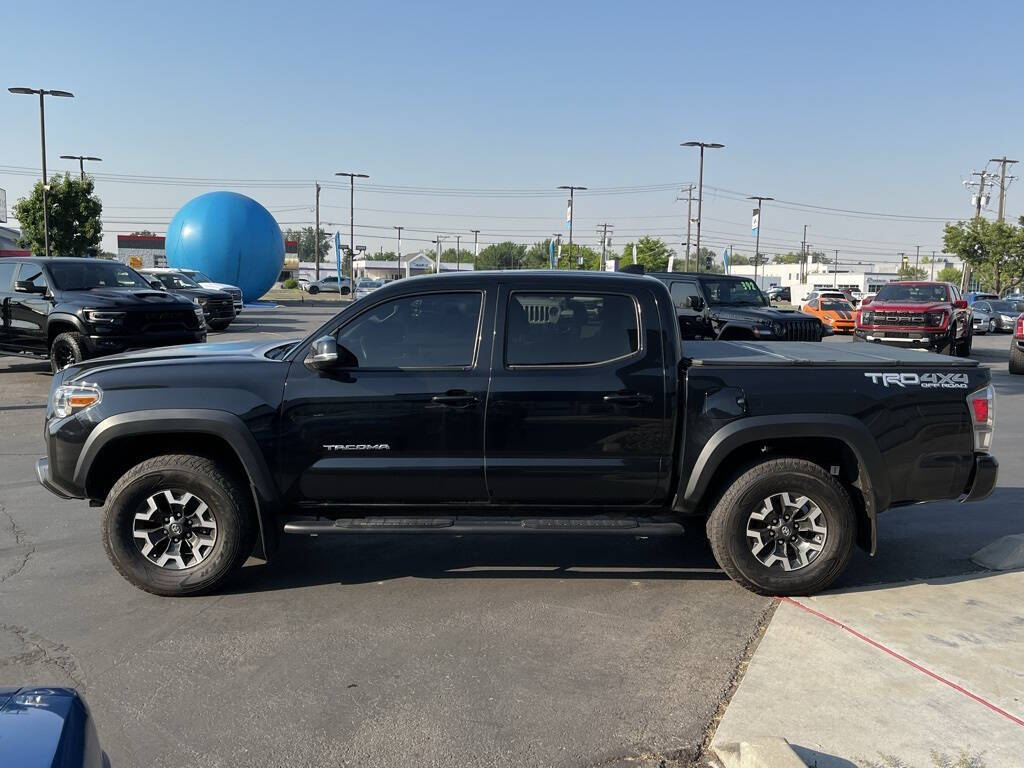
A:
(776, 353)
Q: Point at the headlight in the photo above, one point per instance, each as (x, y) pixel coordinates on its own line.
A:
(72, 398)
(867, 317)
(935, 319)
(100, 317)
(1008, 318)
(829, 319)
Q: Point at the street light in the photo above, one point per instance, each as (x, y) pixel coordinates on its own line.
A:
(42, 92)
(700, 183)
(81, 161)
(352, 211)
(572, 212)
(757, 233)
(399, 250)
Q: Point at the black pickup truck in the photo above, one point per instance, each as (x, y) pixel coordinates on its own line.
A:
(513, 402)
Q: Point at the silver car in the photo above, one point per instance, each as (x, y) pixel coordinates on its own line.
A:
(996, 315)
(330, 284)
(366, 287)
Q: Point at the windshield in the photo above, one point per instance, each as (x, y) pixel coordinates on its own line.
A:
(370, 284)
(836, 305)
(733, 293)
(1008, 306)
(88, 274)
(913, 294)
(176, 280)
(199, 277)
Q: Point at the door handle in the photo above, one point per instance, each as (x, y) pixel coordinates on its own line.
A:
(455, 399)
(628, 399)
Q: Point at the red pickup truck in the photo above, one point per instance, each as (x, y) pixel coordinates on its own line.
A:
(924, 315)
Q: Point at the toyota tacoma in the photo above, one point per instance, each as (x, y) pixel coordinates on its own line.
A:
(513, 402)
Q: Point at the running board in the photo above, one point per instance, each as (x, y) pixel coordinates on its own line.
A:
(478, 525)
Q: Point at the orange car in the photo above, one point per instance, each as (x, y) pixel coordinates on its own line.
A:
(837, 314)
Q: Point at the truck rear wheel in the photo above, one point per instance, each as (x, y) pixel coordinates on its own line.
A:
(178, 525)
(1016, 358)
(784, 527)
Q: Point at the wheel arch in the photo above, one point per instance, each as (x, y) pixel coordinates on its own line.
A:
(829, 440)
(735, 332)
(60, 322)
(122, 441)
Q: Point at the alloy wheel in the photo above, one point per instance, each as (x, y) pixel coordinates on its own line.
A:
(175, 529)
(788, 530)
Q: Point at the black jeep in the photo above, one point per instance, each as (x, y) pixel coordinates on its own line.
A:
(712, 306)
(70, 309)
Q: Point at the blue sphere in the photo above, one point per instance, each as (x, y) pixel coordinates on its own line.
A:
(229, 237)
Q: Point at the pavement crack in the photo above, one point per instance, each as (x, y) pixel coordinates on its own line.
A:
(21, 540)
(39, 650)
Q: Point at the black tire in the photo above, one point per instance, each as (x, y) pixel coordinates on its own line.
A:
(313, 290)
(67, 349)
(228, 500)
(220, 325)
(992, 326)
(345, 290)
(1016, 358)
(963, 348)
(728, 523)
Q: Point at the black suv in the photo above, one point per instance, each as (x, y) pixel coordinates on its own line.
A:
(71, 309)
(218, 306)
(711, 306)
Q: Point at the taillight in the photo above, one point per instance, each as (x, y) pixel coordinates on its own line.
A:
(1019, 333)
(983, 415)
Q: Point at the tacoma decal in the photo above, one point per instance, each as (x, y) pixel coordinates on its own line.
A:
(923, 380)
(357, 447)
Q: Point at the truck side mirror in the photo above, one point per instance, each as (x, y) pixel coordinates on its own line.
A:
(696, 303)
(327, 353)
(27, 286)
(156, 284)
(961, 304)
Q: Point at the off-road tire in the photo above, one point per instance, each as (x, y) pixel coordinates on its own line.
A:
(313, 290)
(1016, 358)
(963, 348)
(227, 497)
(727, 524)
(67, 349)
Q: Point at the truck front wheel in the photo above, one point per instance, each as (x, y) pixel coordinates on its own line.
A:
(178, 525)
(784, 527)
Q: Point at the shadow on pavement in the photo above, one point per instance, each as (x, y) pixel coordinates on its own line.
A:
(346, 559)
(821, 759)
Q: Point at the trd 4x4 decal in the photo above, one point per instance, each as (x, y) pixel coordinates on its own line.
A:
(923, 380)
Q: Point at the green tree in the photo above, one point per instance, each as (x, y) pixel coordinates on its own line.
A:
(909, 272)
(307, 245)
(651, 252)
(949, 275)
(537, 255)
(74, 217)
(506, 255)
(993, 249)
(790, 257)
(739, 260)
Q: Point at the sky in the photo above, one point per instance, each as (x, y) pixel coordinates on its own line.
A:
(873, 107)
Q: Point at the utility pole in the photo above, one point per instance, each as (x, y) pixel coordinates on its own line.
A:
(757, 230)
(437, 242)
(476, 245)
(689, 220)
(803, 257)
(399, 250)
(917, 260)
(458, 254)
(603, 230)
(352, 213)
(316, 238)
(1003, 162)
(965, 277)
(700, 183)
(932, 278)
(572, 212)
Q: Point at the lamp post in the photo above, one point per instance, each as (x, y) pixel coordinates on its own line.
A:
(42, 93)
(399, 250)
(351, 211)
(81, 162)
(700, 183)
(572, 213)
(757, 231)
(476, 246)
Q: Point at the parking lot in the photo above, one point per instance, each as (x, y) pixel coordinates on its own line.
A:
(431, 651)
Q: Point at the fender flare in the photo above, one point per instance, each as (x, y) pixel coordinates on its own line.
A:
(871, 467)
(736, 325)
(224, 425)
(64, 317)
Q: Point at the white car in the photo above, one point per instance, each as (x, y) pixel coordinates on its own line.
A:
(206, 282)
(366, 287)
(830, 294)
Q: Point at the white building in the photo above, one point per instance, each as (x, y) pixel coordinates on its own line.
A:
(417, 263)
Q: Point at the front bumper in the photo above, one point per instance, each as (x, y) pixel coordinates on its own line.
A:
(109, 345)
(46, 480)
(922, 339)
(983, 477)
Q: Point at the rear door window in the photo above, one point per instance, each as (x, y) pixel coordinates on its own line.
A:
(566, 329)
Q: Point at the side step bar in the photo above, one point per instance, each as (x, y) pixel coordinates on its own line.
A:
(478, 525)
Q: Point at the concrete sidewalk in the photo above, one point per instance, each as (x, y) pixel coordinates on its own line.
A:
(902, 670)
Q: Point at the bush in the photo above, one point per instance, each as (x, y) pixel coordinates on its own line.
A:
(291, 282)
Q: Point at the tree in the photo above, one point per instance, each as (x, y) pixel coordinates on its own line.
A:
(538, 255)
(739, 260)
(74, 217)
(993, 249)
(651, 252)
(507, 255)
(790, 257)
(907, 272)
(307, 245)
(949, 275)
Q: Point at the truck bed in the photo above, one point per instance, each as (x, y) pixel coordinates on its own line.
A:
(773, 354)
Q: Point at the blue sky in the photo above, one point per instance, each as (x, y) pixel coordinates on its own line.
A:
(880, 107)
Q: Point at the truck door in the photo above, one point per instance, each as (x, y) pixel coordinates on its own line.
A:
(406, 424)
(577, 412)
(27, 311)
